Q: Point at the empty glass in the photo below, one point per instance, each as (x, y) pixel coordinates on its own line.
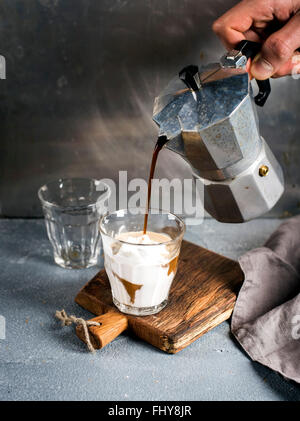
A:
(72, 209)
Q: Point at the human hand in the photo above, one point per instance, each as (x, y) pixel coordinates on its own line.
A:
(274, 23)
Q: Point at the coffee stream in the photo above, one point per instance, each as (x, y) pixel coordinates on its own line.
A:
(161, 141)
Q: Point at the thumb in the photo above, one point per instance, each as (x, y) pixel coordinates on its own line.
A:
(277, 50)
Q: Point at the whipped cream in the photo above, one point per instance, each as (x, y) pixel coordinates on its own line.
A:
(140, 267)
(140, 238)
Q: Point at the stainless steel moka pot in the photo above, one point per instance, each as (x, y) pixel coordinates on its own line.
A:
(209, 117)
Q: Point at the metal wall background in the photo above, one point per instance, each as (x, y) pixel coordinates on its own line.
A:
(81, 79)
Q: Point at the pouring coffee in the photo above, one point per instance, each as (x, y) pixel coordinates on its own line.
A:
(208, 116)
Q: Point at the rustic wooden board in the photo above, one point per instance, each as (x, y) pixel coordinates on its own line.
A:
(202, 296)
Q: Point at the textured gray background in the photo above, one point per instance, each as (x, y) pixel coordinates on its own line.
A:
(81, 79)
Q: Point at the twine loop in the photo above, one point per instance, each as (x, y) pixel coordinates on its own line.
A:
(68, 320)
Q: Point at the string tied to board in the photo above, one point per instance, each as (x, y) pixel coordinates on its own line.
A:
(69, 320)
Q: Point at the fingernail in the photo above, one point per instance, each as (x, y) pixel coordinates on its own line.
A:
(261, 68)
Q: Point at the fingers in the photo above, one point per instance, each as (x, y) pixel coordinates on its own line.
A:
(246, 15)
(277, 51)
(251, 35)
(231, 26)
(248, 19)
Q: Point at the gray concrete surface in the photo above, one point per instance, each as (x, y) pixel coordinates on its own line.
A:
(39, 360)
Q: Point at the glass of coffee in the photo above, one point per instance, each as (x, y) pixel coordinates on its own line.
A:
(72, 208)
(141, 266)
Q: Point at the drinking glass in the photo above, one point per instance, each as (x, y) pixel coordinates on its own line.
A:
(140, 275)
(72, 208)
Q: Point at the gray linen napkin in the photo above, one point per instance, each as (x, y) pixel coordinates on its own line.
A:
(266, 316)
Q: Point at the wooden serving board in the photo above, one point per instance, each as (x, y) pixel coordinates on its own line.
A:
(202, 296)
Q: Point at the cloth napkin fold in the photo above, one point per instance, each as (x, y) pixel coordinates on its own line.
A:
(266, 316)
